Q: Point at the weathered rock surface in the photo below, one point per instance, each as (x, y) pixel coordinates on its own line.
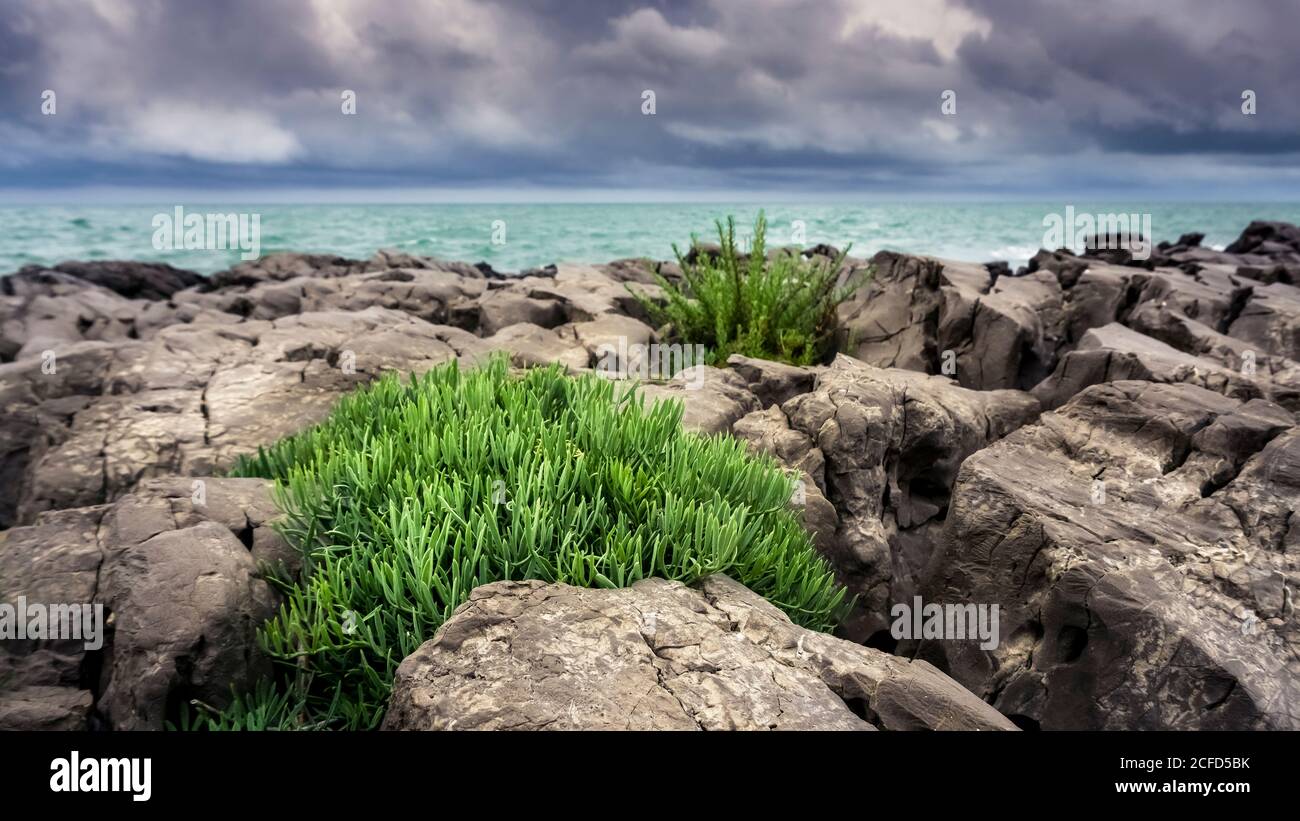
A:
(990, 332)
(938, 316)
(44, 708)
(1142, 545)
(190, 399)
(769, 432)
(175, 567)
(660, 655)
(133, 280)
(532, 345)
(714, 398)
(1170, 604)
(118, 373)
(1114, 352)
(42, 310)
(892, 441)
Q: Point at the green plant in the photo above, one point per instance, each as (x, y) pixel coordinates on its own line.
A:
(265, 707)
(730, 302)
(411, 494)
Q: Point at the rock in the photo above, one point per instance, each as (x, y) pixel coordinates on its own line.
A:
(636, 270)
(282, 266)
(56, 562)
(530, 345)
(660, 655)
(46, 310)
(1269, 319)
(938, 316)
(1140, 543)
(892, 321)
(589, 292)
(700, 250)
(501, 308)
(1005, 337)
(44, 708)
(610, 339)
(1275, 238)
(1277, 377)
(991, 332)
(1286, 274)
(192, 398)
(772, 382)
(998, 269)
(175, 570)
(188, 604)
(769, 432)
(547, 271)
(1113, 352)
(892, 441)
(133, 280)
(426, 294)
(714, 398)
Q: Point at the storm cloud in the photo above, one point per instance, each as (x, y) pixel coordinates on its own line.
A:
(750, 95)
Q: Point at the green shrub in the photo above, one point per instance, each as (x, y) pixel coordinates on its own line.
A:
(411, 494)
(729, 302)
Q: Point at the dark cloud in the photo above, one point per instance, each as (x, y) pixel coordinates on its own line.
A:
(835, 95)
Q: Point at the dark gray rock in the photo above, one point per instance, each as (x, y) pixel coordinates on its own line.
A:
(892, 441)
(133, 280)
(1141, 544)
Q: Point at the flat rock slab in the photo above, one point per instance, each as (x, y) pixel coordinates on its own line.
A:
(660, 655)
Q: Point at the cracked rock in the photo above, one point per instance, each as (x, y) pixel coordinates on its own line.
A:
(660, 655)
(176, 572)
(1142, 546)
(892, 441)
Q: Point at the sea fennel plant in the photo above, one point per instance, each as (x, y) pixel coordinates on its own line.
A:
(783, 308)
(413, 493)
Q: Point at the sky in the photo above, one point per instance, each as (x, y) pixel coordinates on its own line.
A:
(539, 100)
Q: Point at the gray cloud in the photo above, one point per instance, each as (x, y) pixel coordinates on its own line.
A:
(832, 95)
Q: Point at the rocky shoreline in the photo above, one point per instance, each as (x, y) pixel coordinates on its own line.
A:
(1106, 448)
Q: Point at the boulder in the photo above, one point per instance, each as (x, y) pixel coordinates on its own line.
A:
(769, 432)
(1114, 352)
(714, 398)
(990, 332)
(133, 280)
(44, 708)
(175, 567)
(660, 655)
(939, 316)
(501, 308)
(531, 345)
(1275, 238)
(892, 441)
(772, 382)
(1141, 544)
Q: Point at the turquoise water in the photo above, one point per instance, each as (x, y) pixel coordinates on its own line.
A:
(540, 234)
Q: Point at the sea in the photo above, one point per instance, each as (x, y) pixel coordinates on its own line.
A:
(513, 237)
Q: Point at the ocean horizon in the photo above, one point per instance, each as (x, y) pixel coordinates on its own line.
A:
(516, 236)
